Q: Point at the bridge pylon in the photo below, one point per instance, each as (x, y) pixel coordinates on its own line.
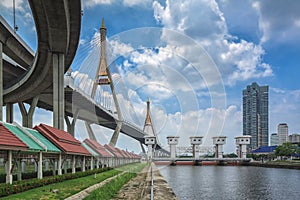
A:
(104, 77)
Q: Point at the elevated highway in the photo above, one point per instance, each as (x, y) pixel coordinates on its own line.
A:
(30, 74)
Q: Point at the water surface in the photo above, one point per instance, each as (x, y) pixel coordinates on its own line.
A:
(232, 182)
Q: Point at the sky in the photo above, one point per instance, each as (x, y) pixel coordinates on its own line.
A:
(192, 59)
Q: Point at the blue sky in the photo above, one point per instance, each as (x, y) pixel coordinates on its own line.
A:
(244, 41)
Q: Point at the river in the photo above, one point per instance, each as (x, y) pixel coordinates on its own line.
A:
(232, 182)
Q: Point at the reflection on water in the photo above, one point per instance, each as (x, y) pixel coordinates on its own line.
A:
(232, 182)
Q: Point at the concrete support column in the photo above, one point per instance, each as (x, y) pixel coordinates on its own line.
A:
(92, 163)
(27, 117)
(1, 82)
(23, 166)
(90, 131)
(9, 177)
(219, 141)
(19, 169)
(9, 112)
(58, 90)
(114, 138)
(73, 164)
(97, 163)
(150, 152)
(47, 165)
(59, 171)
(242, 142)
(83, 164)
(40, 166)
(172, 141)
(71, 125)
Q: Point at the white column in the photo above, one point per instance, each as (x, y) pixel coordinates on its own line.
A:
(9, 177)
(220, 150)
(19, 170)
(243, 148)
(173, 151)
(58, 90)
(196, 151)
(40, 166)
(73, 164)
(83, 164)
(59, 171)
(150, 151)
(92, 163)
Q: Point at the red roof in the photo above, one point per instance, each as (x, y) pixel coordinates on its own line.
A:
(113, 150)
(127, 154)
(62, 139)
(98, 148)
(121, 152)
(10, 141)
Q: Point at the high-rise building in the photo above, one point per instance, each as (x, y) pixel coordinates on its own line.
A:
(282, 131)
(256, 114)
(294, 138)
(274, 139)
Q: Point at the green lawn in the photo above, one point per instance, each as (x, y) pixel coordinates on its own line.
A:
(70, 187)
(65, 189)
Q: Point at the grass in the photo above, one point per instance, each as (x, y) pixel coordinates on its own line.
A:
(70, 187)
(111, 189)
(65, 189)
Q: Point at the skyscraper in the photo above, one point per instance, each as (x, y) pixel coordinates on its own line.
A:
(256, 114)
(282, 131)
(274, 139)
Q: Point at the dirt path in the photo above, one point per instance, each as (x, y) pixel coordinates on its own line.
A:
(139, 188)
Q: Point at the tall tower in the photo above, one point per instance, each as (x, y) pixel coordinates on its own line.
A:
(148, 126)
(103, 77)
(282, 132)
(256, 114)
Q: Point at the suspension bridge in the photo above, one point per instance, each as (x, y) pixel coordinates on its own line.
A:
(38, 79)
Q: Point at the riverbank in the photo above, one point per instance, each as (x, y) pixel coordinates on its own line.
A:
(276, 164)
(140, 186)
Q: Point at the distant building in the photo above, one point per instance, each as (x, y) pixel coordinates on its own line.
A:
(274, 139)
(282, 132)
(256, 114)
(294, 138)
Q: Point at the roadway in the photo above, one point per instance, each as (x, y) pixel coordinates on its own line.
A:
(30, 74)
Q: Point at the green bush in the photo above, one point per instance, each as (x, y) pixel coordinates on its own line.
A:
(24, 185)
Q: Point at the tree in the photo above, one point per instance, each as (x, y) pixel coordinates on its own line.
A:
(286, 149)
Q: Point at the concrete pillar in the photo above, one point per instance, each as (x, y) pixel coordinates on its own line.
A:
(59, 171)
(40, 166)
(1, 82)
(195, 142)
(19, 169)
(90, 131)
(242, 142)
(58, 90)
(172, 141)
(27, 117)
(83, 164)
(150, 141)
(219, 141)
(71, 125)
(115, 136)
(47, 165)
(97, 163)
(92, 163)
(9, 112)
(9, 177)
(73, 164)
(23, 166)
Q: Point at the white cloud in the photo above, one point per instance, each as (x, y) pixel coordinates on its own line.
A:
(236, 58)
(278, 20)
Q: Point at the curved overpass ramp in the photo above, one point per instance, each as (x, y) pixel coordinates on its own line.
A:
(58, 29)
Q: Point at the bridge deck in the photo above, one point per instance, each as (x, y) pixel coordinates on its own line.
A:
(201, 159)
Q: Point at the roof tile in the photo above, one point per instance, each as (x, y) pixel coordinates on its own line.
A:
(62, 139)
(10, 141)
